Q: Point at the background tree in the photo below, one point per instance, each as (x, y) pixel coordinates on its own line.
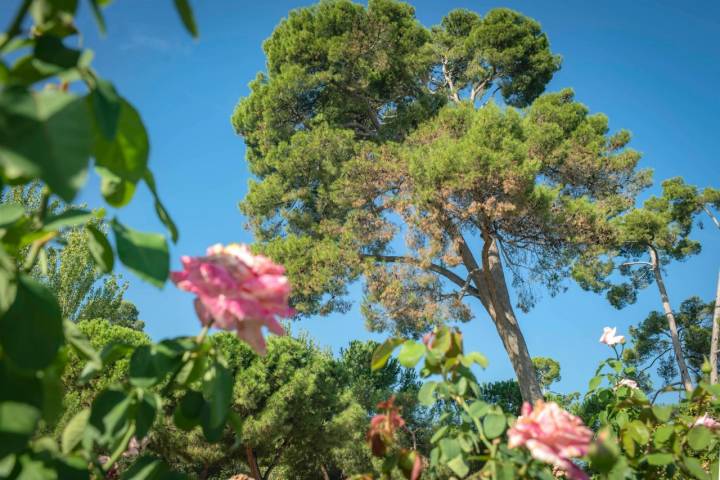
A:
(652, 343)
(66, 266)
(547, 370)
(647, 239)
(364, 130)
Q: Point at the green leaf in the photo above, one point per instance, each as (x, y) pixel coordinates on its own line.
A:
(45, 134)
(110, 353)
(150, 364)
(639, 432)
(98, 15)
(81, 344)
(116, 191)
(100, 249)
(459, 466)
(31, 331)
(50, 49)
(440, 433)
(188, 411)
(186, 15)
(8, 282)
(410, 353)
(494, 425)
(145, 254)
(146, 408)
(382, 353)
(475, 357)
(699, 438)
(662, 413)
(662, 434)
(148, 468)
(126, 154)
(72, 217)
(110, 414)
(426, 394)
(106, 106)
(217, 391)
(478, 409)
(17, 425)
(441, 342)
(75, 430)
(10, 213)
(160, 210)
(694, 466)
(594, 382)
(659, 459)
(450, 448)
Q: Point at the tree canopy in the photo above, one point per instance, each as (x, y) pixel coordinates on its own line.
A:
(381, 152)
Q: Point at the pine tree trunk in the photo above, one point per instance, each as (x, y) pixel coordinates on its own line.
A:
(715, 336)
(510, 333)
(252, 463)
(492, 288)
(684, 375)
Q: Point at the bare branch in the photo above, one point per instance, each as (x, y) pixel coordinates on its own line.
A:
(449, 274)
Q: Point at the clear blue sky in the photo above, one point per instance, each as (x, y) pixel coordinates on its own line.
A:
(652, 66)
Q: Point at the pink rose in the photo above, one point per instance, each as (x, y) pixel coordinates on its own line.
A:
(609, 338)
(237, 290)
(707, 421)
(552, 435)
(626, 382)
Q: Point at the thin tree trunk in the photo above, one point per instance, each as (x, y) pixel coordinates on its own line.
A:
(493, 292)
(324, 472)
(713, 217)
(252, 463)
(715, 336)
(684, 375)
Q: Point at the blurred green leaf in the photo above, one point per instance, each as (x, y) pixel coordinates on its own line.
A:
(382, 353)
(186, 15)
(46, 134)
(410, 353)
(106, 106)
(162, 213)
(10, 213)
(50, 49)
(71, 217)
(659, 459)
(145, 254)
(426, 394)
(100, 249)
(494, 425)
(126, 154)
(459, 466)
(115, 190)
(217, 391)
(17, 425)
(75, 430)
(31, 331)
(699, 438)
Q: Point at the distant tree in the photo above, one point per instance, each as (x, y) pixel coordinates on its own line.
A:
(503, 393)
(100, 332)
(652, 343)
(547, 371)
(368, 127)
(645, 240)
(68, 269)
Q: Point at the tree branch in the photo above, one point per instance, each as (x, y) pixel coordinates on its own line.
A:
(449, 274)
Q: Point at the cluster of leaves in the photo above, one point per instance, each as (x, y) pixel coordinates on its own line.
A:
(641, 439)
(635, 437)
(56, 114)
(469, 439)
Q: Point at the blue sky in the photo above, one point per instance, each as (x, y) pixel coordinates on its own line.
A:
(651, 66)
